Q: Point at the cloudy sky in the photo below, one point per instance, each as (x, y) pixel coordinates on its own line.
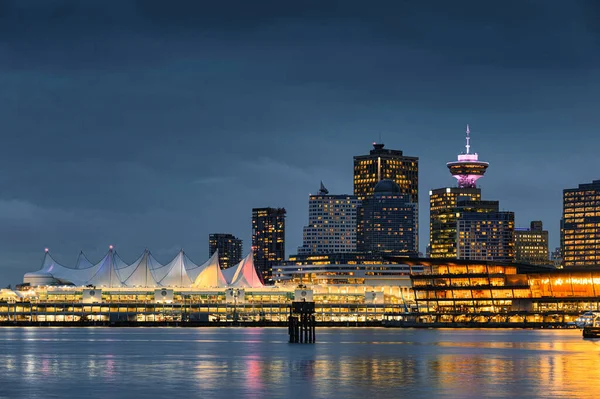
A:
(152, 123)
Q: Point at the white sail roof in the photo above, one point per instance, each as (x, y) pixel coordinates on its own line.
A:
(138, 274)
(119, 263)
(83, 262)
(245, 275)
(60, 272)
(106, 273)
(176, 275)
(209, 275)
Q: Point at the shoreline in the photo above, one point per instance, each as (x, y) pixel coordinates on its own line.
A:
(392, 325)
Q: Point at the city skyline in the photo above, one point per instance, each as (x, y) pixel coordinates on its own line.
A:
(114, 123)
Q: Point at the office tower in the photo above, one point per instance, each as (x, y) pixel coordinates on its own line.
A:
(331, 224)
(387, 222)
(383, 164)
(268, 239)
(467, 169)
(484, 232)
(229, 247)
(580, 225)
(442, 218)
(531, 245)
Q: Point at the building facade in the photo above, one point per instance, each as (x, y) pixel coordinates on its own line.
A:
(531, 245)
(485, 293)
(268, 239)
(484, 233)
(331, 224)
(580, 225)
(467, 169)
(383, 164)
(229, 246)
(387, 222)
(442, 218)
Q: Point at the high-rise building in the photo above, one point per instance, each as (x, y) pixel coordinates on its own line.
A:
(580, 225)
(467, 169)
(531, 244)
(383, 164)
(484, 232)
(442, 218)
(229, 247)
(387, 222)
(268, 239)
(331, 224)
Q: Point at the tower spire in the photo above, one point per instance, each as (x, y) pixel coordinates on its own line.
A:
(468, 146)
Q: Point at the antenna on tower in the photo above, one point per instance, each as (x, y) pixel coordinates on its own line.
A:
(468, 138)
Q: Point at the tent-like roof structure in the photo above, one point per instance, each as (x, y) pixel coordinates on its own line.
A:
(106, 273)
(209, 274)
(138, 274)
(146, 271)
(176, 275)
(83, 262)
(245, 275)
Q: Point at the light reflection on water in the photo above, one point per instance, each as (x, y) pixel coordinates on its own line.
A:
(259, 363)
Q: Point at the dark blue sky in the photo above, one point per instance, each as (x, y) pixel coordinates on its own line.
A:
(151, 124)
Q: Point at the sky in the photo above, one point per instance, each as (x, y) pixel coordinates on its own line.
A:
(151, 124)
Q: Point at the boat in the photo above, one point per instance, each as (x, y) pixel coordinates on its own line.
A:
(593, 329)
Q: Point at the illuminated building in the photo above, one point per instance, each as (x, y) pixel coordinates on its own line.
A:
(331, 224)
(467, 169)
(580, 225)
(442, 218)
(483, 232)
(387, 222)
(229, 249)
(268, 239)
(480, 293)
(531, 245)
(383, 164)
(146, 291)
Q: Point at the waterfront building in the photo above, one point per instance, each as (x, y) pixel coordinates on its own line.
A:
(484, 293)
(484, 232)
(387, 222)
(181, 291)
(350, 258)
(268, 239)
(392, 279)
(331, 224)
(382, 163)
(531, 244)
(228, 247)
(580, 225)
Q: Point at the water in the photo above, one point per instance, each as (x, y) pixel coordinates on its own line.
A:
(259, 363)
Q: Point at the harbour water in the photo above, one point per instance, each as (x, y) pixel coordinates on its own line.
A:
(259, 363)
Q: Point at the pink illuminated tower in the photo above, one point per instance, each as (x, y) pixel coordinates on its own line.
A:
(468, 168)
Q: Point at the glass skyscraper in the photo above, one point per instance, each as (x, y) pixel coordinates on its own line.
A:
(580, 225)
(387, 222)
(268, 239)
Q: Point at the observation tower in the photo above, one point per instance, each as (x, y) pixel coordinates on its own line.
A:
(468, 168)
